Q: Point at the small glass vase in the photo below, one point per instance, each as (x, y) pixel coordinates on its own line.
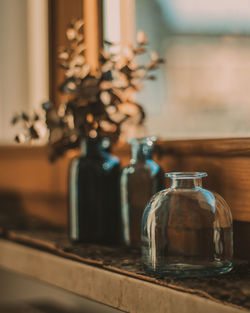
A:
(139, 181)
(187, 230)
(94, 196)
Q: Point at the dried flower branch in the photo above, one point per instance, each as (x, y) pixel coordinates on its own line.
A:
(100, 102)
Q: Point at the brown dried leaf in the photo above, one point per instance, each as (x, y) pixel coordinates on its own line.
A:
(106, 85)
(33, 133)
(78, 24)
(108, 127)
(139, 50)
(105, 97)
(64, 55)
(130, 109)
(20, 138)
(15, 119)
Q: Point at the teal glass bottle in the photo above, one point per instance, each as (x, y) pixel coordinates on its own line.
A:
(139, 181)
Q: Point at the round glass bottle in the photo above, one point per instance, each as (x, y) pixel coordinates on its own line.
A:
(187, 230)
(139, 181)
(94, 193)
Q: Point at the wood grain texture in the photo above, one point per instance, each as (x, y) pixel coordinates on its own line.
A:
(30, 182)
(93, 31)
(219, 147)
(228, 171)
(41, 187)
(228, 176)
(27, 170)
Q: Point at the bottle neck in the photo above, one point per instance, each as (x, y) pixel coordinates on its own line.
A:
(141, 149)
(140, 153)
(190, 183)
(91, 147)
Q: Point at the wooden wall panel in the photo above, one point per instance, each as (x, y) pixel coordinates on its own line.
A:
(28, 171)
(28, 180)
(228, 176)
(228, 173)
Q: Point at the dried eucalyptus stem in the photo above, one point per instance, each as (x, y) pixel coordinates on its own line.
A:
(99, 103)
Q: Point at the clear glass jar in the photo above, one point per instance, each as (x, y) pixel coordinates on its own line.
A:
(187, 230)
(139, 181)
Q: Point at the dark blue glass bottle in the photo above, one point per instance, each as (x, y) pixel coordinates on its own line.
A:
(94, 194)
(139, 181)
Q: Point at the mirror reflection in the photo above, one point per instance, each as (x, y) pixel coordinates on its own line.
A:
(202, 91)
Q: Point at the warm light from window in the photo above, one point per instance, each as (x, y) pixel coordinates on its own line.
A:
(207, 16)
(112, 20)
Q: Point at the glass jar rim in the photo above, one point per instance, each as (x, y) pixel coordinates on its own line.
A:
(185, 175)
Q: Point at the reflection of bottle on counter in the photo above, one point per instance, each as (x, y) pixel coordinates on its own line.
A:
(139, 181)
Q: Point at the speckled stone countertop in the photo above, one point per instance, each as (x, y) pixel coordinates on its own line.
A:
(232, 288)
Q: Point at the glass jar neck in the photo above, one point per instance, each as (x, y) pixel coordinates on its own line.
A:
(188, 183)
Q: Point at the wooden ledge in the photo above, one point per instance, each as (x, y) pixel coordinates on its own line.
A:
(113, 289)
(227, 147)
(218, 146)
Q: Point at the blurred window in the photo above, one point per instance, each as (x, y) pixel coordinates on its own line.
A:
(23, 60)
(202, 91)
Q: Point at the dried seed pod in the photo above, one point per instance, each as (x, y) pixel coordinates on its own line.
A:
(15, 119)
(78, 24)
(64, 55)
(71, 34)
(96, 104)
(47, 105)
(25, 117)
(141, 37)
(20, 138)
(33, 133)
(105, 97)
(154, 56)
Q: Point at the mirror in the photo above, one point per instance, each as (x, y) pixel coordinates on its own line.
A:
(202, 91)
(32, 32)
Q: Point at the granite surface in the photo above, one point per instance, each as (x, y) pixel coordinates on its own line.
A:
(232, 288)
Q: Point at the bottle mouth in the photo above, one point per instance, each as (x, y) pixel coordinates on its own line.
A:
(143, 140)
(185, 175)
